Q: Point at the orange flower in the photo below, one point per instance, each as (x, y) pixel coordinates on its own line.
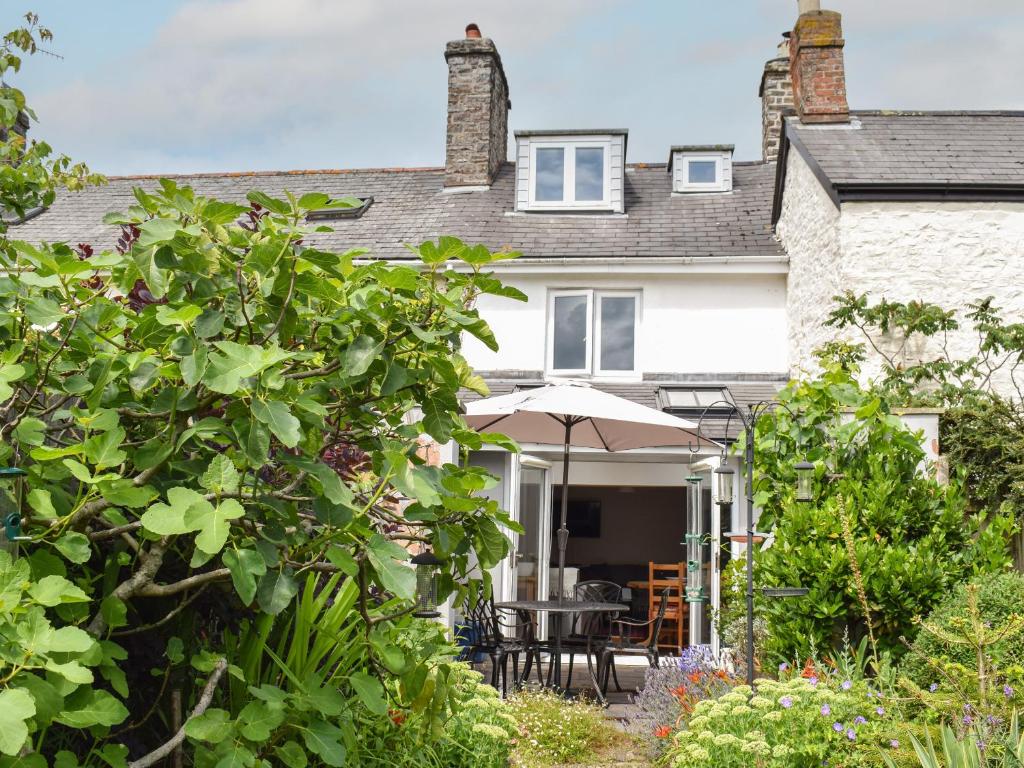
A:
(679, 692)
(809, 670)
(695, 677)
(721, 674)
(663, 731)
(397, 716)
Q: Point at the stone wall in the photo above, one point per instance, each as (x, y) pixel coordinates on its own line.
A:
(478, 107)
(776, 98)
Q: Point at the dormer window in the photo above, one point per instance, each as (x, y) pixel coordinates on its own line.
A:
(569, 170)
(701, 168)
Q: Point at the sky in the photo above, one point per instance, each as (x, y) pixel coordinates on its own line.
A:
(180, 86)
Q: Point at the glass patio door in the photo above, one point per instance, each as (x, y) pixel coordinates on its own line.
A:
(531, 548)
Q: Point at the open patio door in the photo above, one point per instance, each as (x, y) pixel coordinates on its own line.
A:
(531, 550)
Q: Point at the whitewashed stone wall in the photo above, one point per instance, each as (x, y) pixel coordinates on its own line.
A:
(950, 254)
(808, 227)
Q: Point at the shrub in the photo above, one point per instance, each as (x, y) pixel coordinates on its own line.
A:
(669, 694)
(796, 723)
(999, 596)
(482, 731)
(554, 730)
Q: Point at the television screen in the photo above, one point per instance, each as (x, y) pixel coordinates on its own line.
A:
(583, 518)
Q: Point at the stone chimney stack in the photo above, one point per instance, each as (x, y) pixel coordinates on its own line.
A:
(816, 65)
(776, 94)
(478, 106)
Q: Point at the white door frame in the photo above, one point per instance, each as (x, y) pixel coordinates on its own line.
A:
(508, 565)
(710, 464)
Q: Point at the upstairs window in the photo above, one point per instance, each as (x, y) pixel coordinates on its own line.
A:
(701, 169)
(593, 332)
(571, 170)
(570, 174)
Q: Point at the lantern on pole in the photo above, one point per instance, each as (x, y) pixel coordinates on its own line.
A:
(426, 563)
(726, 477)
(804, 481)
(12, 492)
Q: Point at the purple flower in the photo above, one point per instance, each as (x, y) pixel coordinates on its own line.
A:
(786, 702)
(826, 709)
(894, 743)
(1007, 691)
(879, 710)
(847, 685)
(813, 680)
(837, 727)
(968, 719)
(859, 720)
(783, 667)
(933, 687)
(850, 734)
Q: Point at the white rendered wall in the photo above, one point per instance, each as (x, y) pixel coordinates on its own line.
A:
(950, 254)
(690, 323)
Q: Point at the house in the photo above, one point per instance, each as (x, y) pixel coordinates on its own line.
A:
(690, 285)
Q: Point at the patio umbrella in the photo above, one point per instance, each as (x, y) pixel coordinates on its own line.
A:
(576, 414)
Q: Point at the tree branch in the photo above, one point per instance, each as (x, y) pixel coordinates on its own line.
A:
(163, 590)
(203, 704)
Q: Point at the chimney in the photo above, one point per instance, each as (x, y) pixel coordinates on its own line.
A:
(816, 65)
(478, 106)
(776, 94)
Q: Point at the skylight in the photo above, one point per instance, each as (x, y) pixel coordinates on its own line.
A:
(695, 399)
(335, 211)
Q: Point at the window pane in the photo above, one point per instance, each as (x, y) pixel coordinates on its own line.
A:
(550, 174)
(590, 173)
(701, 172)
(569, 345)
(618, 332)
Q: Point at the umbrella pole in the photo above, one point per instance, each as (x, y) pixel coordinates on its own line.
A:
(563, 538)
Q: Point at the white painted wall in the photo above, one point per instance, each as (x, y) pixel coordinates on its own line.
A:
(690, 323)
(950, 254)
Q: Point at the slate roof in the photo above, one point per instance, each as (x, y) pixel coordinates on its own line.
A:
(919, 147)
(744, 392)
(410, 206)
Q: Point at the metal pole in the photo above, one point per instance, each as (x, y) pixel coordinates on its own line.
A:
(748, 457)
(563, 538)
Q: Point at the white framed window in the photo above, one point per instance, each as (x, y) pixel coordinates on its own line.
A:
(593, 332)
(697, 169)
(570, 174)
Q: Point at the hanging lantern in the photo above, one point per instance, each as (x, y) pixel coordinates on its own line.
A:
(804, 481)
(726, 477)
(426, 585)
(12, 491)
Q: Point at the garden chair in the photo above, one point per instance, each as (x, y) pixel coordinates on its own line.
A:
(671, 575)
(621, 644)
(497, 639)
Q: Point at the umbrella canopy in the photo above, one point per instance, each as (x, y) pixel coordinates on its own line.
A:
(598, 419)
(576, 414)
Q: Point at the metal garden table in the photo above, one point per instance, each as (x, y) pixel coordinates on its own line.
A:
(558, 609)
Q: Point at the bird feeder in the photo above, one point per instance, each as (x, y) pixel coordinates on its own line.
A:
(426, 563)
(12, 492)
(694, 542)
(726, 477)
(804, 481)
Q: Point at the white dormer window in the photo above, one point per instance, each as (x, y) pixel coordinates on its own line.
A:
(701, 169)
(570, 171)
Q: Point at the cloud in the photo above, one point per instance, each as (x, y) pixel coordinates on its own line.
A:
(268, 82)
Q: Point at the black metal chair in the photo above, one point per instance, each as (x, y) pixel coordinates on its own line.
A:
(490, 638)
(623, 645)
(589, 632)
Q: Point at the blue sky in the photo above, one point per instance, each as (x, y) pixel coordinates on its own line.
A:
(216, 85)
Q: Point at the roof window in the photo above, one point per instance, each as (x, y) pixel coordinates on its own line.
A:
(696, 399)
(342, 208)
(569, 170)
(701, 168)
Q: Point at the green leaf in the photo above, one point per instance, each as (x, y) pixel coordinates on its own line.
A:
(395, 577)
(54, 590)
(71, 671)
(214, 528)
(245, 565)
(16, 706)
(276, 591)
(9, 373)
(370, 692)
(291, 754)
(341, 558)
(114, 612)
(491, 543)
(400, 278)
(361, 353)
(193, 367)
(124, 493)
(70, 639)
(88, 707)
(324, 740)
(43, 312)
(236, 362)
(74, 546)
(30, 431)
(221, 476)
(209, 324)
(213, 725)
(170, 519)
(104, 449)
(411, 480)
(259, 719)
(182, 316)
(869, 409)
(41, 503)
(276, 415)
(156, 231)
